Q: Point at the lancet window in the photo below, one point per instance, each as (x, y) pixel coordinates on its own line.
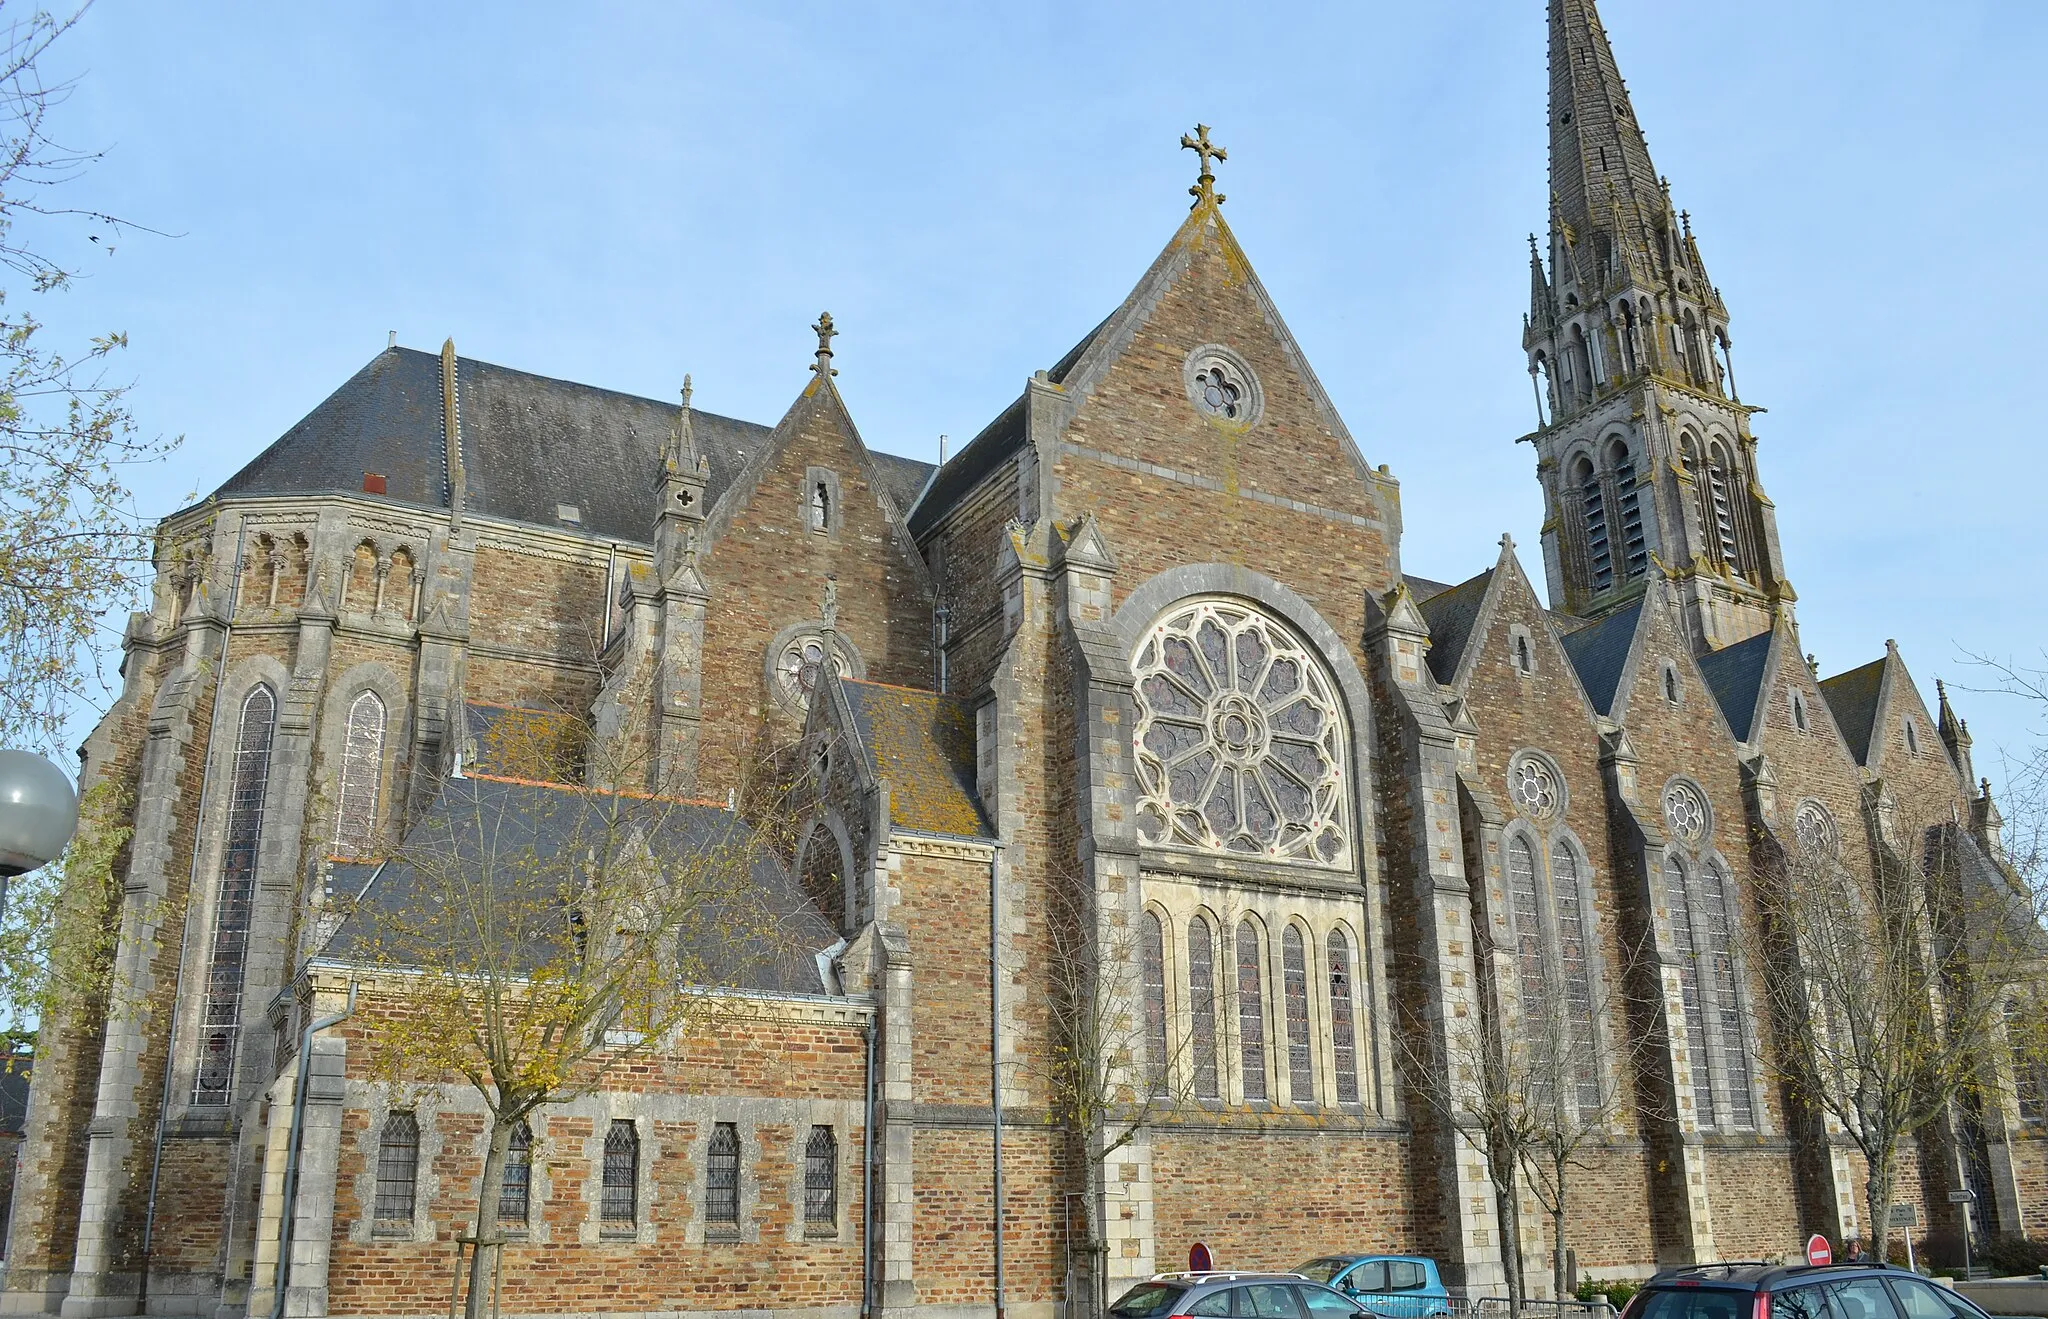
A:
(1301, 1070)
(1202, 1006)
(1240, 744)
(1611, 512)
(221, 1013)
(1152, 954)
(1700, 898)
(1551, 940)
(1343, 1029)
(515, 1191)
(1251, 1010)
(362, 770)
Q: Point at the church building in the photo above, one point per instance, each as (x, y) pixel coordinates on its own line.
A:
(1132, 696)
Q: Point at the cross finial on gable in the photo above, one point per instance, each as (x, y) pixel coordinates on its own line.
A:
(1205, 186)
(823, 366)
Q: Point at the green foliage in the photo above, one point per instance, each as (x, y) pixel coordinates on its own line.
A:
(1618, 1291)
(72, 549)
(62, 922)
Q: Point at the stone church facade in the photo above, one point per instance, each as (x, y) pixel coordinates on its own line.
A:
(1143, 656)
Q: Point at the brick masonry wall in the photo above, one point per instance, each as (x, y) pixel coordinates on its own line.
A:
(1607, 1214)
(945, 906)
(1755, 1195)
(2030, 1169)
(1269, 1200)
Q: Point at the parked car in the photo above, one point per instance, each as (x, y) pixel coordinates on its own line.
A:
(1391, 1286)
(1225, 1295)
(1795, 1291)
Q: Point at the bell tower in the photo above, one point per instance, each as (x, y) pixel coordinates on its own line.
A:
(1644, 448)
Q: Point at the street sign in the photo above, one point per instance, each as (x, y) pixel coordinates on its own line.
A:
(1961, 1197)
(1905, 1216)
(1818, 1251)
(1198, 1259)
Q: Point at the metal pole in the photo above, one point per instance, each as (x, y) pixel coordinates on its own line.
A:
(995, 1056)
(867, 1195)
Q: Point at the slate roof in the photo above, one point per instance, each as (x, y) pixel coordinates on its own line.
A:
(1735, 674)
(1852, 697)
(923, 744)
(1452, 614)
(758, 932)
(997, 441)
(1599, 651)
(530, 443)
(1422, 587)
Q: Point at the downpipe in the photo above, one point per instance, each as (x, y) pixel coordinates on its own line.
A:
(288, 1215)
(995, 1052)
(867, 1195)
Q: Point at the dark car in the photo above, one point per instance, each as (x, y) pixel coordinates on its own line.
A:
(1222, 1295)
(1795, 1291)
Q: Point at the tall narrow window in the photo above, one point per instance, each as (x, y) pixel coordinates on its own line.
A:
(722, 1178)
(619, 1204)
(221, 1019)
(1689, 989)
(2029, 1072)
(515, 1191)
(362, 768)
(1202, 1006)
(821, 506)
(1251, 1011)
(1720, 959)
(1628, 498)
(398, 1167)
(1301, 1069)
(1343, 1028)
(1577, 974)
(1153, 953)
(1537, 1006)
(821, 1180)
(1599, 549)
(1718, 492)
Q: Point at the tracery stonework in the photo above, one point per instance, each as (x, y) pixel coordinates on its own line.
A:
(1240, 746)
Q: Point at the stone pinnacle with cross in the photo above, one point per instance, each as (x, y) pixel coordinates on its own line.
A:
(823, 366)
(1205, 186)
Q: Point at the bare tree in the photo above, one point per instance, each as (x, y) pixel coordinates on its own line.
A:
(532, 939)
(1114, 1064)
(71, 546)
(1888, 990)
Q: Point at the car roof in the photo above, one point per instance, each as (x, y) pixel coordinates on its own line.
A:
(1760, 1275)
(1228, 1275)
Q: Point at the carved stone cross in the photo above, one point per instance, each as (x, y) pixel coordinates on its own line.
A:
(823, 366)
(1205, 186)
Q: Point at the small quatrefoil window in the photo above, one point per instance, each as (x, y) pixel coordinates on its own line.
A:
(1221, 386)
(1220, 394)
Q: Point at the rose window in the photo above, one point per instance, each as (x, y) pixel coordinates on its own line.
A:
(1685, 812)
(1815, 829)
(1218, 393)
(1533, 787)
(1240, 748)
(800, 666)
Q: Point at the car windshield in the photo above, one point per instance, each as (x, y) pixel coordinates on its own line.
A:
(1695, 1303)
(1324, 1269)
(1147, 1300)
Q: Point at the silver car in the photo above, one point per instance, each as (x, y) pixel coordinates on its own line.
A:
(1221, 1295)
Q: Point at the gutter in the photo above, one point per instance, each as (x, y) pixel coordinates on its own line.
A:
(288, 1215)
(995, 1054)
(867, 1195)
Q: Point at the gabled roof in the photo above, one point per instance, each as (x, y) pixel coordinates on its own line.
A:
(922, 745)
(754, 929)
(1735, 675)
(1422, 587)
(1452, 614)
(530, 444)
(1600, 651)
(1854, 699)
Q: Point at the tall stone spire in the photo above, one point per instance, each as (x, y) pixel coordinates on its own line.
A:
(1646, 458)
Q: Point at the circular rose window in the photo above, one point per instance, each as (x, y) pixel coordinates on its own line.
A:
(1685, 812)
(799, 667)
(1240, 747)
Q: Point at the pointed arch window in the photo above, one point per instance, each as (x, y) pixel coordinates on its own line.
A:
(1629, 501)
(1575, 968)
(1719, 953)
(721, 1178)
(1152, 953)
(515, 1191)
(1202, 1006)
(1343, 1026)
(1680, 906)
(228, 954)
(1721, 507)
(620, 1198)
(398, 1167)
(1251, 1011)
(1301, 1071)
(1599, 546)
(821, 1180)
(1702, 905)
(362, 771)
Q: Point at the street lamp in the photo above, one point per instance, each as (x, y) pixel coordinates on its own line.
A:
(38, 811)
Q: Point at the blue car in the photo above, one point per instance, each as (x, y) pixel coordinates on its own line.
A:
(1393, 1286)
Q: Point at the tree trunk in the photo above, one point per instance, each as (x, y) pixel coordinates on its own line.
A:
(1560, 1168)
(485, 1252)
(1877, 1192)
(1508, 1202)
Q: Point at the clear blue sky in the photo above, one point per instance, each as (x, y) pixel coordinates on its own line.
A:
(618, 194)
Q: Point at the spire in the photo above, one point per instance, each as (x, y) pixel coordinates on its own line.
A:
(682, 441)
(1204, 189)
(1606, 188)
(1954, 732)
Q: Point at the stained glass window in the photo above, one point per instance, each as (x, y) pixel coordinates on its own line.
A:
(1343, 1028)
(516, 1188)
(1153, 952)
(221, 1016)
(1719, 955)
(801, 666)
(362, 769)
(1251, 1011)
(821, 1179)
(1240, 746)
(1301, 1071)
(1577, 974)
(1685, 812)
(1202, 1006)
(1814, 828)
(1689, 988)
(722, 1177)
